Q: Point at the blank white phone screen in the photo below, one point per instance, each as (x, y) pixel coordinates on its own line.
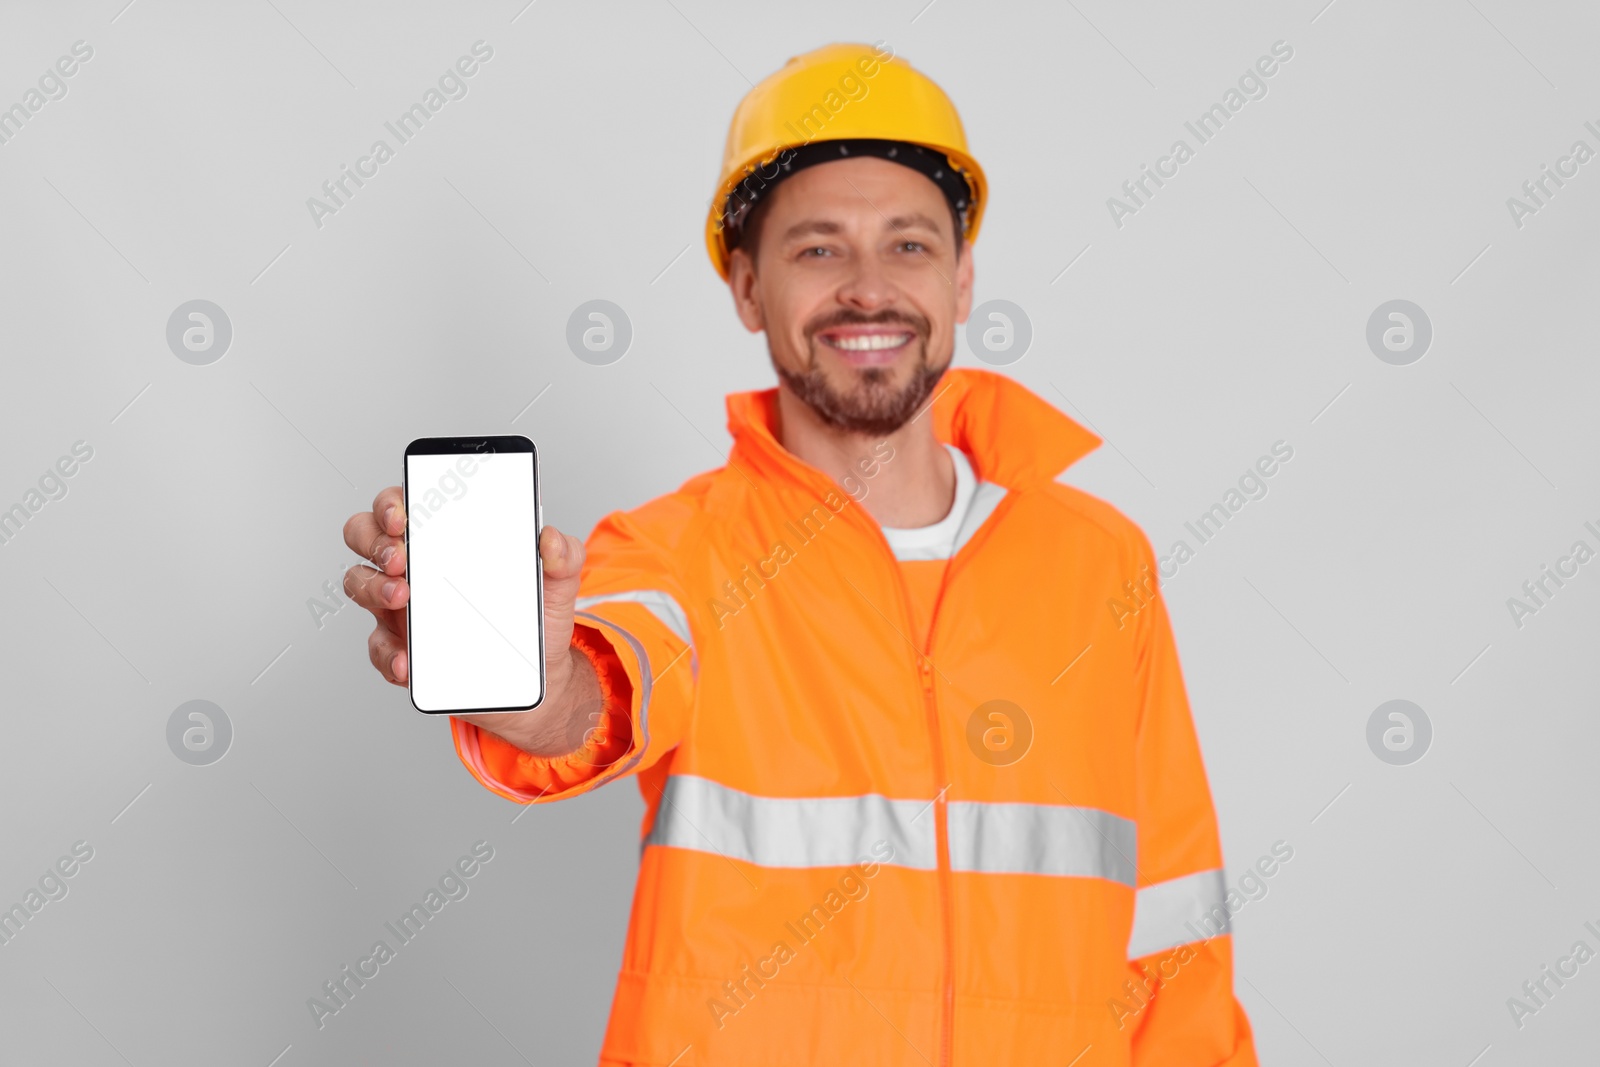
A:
(473, 559)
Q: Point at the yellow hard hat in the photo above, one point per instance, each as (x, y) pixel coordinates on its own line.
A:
(841, 92)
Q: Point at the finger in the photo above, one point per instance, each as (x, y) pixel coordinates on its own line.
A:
(562, 557)
(387, 651)
(390, 509)
(364, 536)
(376, 591)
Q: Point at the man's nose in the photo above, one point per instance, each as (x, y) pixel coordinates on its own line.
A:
(869, 286)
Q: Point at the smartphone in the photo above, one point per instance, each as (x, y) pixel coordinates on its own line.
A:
(475, 621)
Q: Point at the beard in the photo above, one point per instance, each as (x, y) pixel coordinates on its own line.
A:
(874, 407)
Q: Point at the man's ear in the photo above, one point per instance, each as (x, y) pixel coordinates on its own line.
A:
(746, 297)
(963, 282)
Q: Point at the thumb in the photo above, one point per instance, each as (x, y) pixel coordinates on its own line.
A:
(562, 557)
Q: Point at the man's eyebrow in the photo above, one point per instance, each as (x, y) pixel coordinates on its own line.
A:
(811, 226)
(826, 227)
(906, 222)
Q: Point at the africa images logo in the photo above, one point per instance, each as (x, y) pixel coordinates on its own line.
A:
(453, 885)
(1252, 85)
(452, 86)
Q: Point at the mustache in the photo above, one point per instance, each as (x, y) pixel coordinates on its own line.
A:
(851, 317)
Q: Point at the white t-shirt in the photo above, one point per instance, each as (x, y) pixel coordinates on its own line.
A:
(938, 540)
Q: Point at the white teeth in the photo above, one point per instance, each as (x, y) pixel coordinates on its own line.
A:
(870, 342)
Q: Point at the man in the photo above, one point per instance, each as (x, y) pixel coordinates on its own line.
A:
(915, 796)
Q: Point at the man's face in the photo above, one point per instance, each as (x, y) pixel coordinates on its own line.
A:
(859, 282)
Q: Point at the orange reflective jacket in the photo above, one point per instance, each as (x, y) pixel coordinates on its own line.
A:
(998, 848)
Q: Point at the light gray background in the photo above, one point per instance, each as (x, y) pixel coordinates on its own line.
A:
(1228, 314)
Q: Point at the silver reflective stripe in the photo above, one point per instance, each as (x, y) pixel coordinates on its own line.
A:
(660, 604)
(985, 499)
(1042, 839)
(643, 741)
(1178, 912)
(697, 813)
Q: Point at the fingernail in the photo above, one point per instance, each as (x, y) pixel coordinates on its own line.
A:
(388, 517)
(389, 590)
(385, 556)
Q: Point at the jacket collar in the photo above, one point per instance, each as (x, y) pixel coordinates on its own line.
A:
(1013, 436)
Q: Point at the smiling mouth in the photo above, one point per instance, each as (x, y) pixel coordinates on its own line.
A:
(866, 347)
(867, 342)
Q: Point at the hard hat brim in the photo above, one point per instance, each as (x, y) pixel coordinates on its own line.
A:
(717, 217)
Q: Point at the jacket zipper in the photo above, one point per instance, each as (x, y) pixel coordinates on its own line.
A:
(941, 814)
(941, 822)
(941, 785)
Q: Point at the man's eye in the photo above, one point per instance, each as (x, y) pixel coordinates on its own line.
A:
(816, 250)
(912, 246)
